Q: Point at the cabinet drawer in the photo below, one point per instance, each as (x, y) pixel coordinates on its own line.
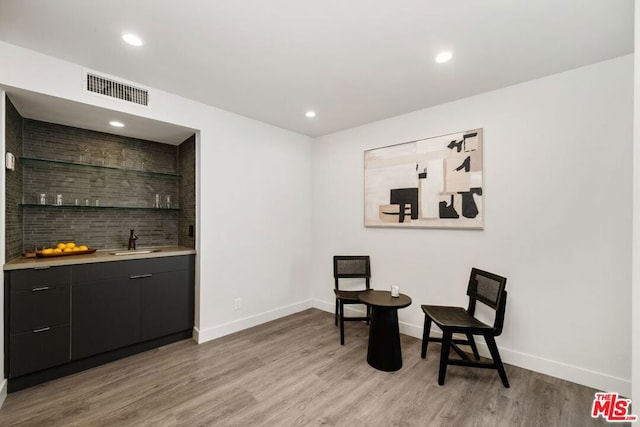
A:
(118, 269)
(33, 278)
(39, 307)
(33, 351)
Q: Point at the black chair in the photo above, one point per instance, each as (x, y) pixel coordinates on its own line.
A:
(486, 288)
(350, 267)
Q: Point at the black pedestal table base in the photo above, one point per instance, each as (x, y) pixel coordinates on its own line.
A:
(384, 351)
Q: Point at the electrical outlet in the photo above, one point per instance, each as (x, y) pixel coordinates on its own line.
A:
(237, 304)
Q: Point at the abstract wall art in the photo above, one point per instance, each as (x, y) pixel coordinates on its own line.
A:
(434, 182)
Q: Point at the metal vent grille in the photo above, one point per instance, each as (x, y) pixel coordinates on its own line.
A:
(114, 89)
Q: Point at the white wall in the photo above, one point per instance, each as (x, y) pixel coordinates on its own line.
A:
(558, 210)
(635, 392)
(254, 203)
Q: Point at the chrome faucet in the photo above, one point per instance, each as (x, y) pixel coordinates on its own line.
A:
(132, 240)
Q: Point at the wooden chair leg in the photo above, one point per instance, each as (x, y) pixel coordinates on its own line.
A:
(425, 335)
(341, 323)
(368, 314)
(474, 347)
(497, 361)
(444, 356)
(335, 320)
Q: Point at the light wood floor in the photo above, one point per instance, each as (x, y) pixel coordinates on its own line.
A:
(293, 371)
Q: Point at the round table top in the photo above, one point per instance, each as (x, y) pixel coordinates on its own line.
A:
(384, 299)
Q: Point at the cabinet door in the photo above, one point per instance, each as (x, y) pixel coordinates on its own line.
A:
(105, 315)
(166, 304)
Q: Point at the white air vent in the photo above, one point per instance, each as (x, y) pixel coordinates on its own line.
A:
(115, 89)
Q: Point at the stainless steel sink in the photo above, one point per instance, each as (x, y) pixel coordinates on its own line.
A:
(136, 251)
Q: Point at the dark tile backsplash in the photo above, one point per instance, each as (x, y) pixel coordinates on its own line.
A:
(98, 228)
(187, 167)
(110, 189)
(13, 183)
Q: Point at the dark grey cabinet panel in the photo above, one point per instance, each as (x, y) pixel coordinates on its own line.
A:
(166, 304)
(50, 276)
(105, 270)
(39, 307)
(37, 313)
(35, 350)
(105, 315)
(120, 303)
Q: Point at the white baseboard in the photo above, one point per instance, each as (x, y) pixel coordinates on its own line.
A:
(576, 374)
(209, 334)
(3, 391)
(549, 367)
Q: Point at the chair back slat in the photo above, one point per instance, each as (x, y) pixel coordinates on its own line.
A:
(486, 287)
(489, 289)
(352, 267)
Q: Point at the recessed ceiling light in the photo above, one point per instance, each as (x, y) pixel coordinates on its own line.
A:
(116, 124)
(132, 39)
(444, 57)
(310, 114)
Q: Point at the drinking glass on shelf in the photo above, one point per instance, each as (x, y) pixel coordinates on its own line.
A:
(143, 161)
(43, 198)
(84, 151)
(167, 201)
(105, 154)
(123, 159)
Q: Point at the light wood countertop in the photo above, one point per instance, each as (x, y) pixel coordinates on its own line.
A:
(103, 255)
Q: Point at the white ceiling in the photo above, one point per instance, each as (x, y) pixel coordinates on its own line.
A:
(352, 61)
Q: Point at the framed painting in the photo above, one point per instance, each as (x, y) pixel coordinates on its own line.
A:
(433, 183)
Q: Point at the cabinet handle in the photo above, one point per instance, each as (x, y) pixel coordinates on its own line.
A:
(35, 331)
(140, 276)
(41, 288)
(44, 267)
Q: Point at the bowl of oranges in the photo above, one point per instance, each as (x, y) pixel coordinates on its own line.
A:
(62, 249)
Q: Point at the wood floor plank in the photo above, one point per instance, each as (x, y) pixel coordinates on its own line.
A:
(294, 372)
